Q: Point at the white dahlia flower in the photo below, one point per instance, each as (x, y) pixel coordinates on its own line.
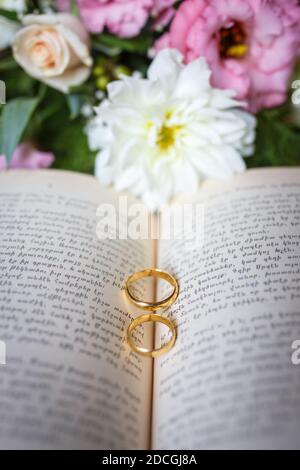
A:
(164, 135)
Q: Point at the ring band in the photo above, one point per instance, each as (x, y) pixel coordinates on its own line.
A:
(158, 273)
(151, 352)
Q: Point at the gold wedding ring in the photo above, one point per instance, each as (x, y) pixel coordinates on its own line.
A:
(147, 317)
(158, 273)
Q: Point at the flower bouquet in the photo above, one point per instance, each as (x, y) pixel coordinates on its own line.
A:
(153, 96)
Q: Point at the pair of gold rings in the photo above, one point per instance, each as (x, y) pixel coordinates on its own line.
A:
(152, 307)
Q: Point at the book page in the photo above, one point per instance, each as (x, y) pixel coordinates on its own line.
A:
(70, 381)
(229, 382)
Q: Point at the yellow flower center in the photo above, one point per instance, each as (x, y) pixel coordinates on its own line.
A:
(233, 42)
(167, 136)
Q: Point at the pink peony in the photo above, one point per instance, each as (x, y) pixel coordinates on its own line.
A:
(162, 11)
(125, 18)
(250, 45)
(27, 156)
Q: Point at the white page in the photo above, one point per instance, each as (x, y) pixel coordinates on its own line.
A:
(70, 381)
(229, 381)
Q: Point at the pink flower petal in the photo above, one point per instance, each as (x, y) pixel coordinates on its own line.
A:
(124, 18)
(27, 156)
(272, 40)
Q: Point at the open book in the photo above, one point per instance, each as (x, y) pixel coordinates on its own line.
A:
(70, 380)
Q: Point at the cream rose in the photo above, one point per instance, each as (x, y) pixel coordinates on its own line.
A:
(54, 48)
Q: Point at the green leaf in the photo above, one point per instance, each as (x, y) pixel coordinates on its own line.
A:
(8, 64)
(75, 103)
(71, 149)
(18, 83)
(13, 122)
(10, 15)
(277, 143)
(74, 10)
(67, 140)
(139, 45)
